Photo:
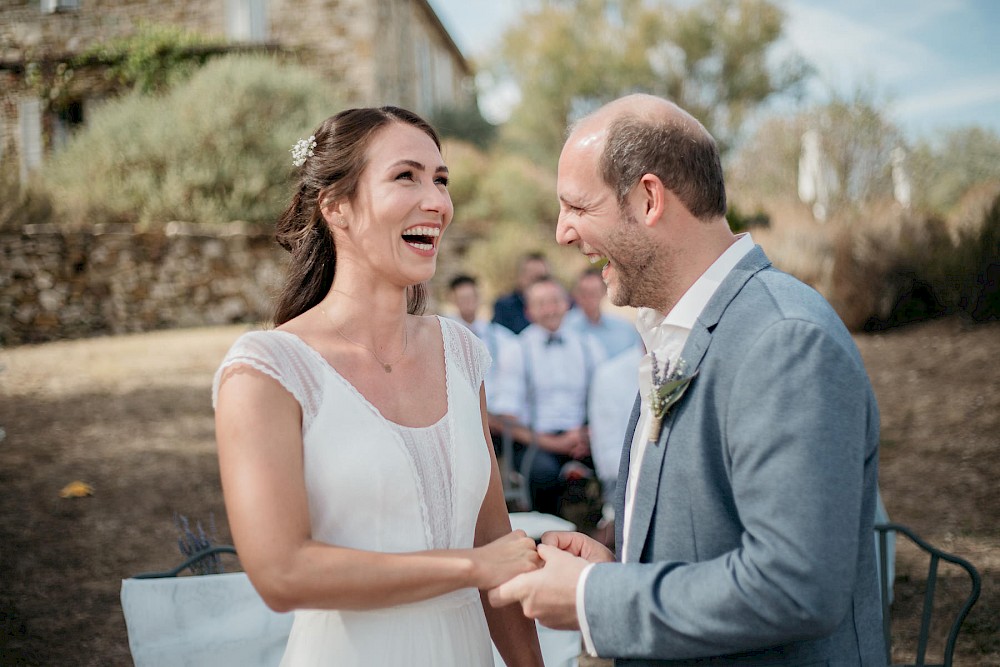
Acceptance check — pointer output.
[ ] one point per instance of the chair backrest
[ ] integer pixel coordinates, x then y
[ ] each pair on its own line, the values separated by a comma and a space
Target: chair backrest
935, 556
212, 619
515, 484
220, 620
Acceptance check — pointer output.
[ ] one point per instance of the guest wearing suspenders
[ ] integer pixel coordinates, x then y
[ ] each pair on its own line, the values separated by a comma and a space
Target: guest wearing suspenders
556, 366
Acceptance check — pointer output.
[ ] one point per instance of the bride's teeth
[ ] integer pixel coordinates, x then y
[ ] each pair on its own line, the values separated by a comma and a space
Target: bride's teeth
423, 231
421, 246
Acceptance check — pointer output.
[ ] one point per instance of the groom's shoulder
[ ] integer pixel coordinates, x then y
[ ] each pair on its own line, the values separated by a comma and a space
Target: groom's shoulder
780, 296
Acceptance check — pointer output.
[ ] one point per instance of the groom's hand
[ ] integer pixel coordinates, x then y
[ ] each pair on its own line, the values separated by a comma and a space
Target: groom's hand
547, 594
580, 545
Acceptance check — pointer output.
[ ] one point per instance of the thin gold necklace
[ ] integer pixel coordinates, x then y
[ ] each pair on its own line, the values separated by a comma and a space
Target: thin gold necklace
386, 366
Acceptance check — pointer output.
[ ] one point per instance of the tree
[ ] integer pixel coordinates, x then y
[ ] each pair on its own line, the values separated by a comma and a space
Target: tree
856, 141
711, 58
947, 167
464, 124
859, 141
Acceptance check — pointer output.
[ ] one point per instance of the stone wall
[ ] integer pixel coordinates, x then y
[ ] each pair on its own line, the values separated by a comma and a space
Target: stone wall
67, 284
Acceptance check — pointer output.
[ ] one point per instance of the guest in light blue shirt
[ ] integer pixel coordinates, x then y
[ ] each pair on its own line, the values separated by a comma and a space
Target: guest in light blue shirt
615, 334
555, 370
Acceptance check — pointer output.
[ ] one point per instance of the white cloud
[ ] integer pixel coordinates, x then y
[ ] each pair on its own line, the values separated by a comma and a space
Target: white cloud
922, 15
847, 51
961, 95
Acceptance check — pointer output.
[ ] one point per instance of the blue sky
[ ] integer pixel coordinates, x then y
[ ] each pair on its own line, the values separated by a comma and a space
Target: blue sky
936, 63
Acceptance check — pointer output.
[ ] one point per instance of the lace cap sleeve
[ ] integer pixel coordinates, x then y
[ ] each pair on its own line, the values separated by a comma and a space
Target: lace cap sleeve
474, 357
275, 354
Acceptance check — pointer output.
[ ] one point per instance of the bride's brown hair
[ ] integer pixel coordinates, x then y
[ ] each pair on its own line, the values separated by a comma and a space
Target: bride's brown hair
332, 172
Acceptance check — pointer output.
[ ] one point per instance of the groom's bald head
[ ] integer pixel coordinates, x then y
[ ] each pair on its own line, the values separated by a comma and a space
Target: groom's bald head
640, 134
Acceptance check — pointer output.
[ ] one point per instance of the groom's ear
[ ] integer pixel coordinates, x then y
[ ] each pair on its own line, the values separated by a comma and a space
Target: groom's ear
654, 197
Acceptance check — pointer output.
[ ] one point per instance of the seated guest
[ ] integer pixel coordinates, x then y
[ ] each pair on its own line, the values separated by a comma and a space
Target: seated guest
503, 346
612, 397
556, 367
508, 310
614, 333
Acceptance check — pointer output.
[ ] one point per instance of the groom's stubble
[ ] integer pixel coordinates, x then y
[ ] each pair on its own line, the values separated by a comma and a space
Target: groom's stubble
644, 268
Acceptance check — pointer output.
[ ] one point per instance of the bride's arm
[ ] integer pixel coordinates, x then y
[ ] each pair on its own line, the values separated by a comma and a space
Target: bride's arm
514, 634
258, 431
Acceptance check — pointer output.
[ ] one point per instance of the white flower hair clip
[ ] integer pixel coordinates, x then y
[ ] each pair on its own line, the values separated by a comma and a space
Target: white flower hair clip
302, 149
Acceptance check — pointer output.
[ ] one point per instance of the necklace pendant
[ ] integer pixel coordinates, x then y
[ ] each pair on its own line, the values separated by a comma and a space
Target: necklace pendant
387, 368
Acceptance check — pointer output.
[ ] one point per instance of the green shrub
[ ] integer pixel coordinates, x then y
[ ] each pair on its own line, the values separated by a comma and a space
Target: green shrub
464, 124
498, 187
153, 58
21, 204
493, 258
467, 166
926, 272
979, 293
890, 267
518, 190
213, 149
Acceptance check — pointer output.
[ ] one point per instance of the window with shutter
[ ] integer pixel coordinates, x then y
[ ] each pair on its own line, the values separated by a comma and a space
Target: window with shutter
246, 20
53, 6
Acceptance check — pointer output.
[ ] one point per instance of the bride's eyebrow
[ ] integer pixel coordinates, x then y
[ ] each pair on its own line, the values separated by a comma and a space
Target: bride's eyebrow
417, 165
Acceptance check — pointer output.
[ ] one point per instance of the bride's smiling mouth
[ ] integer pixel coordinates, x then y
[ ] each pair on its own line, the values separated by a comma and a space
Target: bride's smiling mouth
422, 238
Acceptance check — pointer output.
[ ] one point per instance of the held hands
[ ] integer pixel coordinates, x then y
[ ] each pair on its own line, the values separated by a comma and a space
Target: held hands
574, 442
503, 559
549, 594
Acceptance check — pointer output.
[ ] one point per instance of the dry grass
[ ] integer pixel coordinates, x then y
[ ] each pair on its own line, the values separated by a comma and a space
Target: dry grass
131, 416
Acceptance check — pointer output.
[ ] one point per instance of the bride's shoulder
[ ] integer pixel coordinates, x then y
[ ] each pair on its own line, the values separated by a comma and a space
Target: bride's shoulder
448, 327
261, 342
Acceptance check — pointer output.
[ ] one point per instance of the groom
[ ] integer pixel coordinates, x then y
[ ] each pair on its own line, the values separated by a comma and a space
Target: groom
745, 511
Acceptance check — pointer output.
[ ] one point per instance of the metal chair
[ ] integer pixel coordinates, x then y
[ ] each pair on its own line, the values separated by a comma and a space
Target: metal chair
212, 553
516, 492
935, 557
219, 620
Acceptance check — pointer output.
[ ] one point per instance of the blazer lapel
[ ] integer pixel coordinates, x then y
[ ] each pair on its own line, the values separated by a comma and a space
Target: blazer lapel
623, 465
693, 354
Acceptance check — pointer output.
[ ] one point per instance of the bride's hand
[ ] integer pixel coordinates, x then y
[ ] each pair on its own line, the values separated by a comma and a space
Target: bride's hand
503, 559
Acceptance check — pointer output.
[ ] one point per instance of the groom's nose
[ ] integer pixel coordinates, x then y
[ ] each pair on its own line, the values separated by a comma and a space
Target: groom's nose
565, 232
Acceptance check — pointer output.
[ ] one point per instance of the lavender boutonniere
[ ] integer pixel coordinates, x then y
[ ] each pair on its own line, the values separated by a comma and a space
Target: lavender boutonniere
668, 386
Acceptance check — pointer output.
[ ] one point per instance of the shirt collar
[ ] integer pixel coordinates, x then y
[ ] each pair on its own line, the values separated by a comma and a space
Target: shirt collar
539, 333
653, 325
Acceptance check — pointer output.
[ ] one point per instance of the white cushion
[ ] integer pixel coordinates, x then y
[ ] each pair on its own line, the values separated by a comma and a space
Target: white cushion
214, 619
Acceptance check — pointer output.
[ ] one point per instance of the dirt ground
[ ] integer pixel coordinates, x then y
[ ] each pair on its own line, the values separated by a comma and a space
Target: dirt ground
131, 416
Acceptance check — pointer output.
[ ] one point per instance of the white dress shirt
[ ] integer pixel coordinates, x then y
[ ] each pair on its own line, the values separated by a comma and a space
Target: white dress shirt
612, 395
501, 381
555, 377
664, 335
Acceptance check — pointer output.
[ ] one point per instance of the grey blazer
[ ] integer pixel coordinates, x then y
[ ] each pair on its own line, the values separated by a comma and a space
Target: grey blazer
751, 536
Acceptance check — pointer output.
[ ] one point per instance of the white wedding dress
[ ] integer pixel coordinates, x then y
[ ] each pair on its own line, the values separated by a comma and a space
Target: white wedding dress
378, 486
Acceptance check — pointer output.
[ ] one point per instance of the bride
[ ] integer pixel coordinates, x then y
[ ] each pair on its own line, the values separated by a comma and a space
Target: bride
361, 488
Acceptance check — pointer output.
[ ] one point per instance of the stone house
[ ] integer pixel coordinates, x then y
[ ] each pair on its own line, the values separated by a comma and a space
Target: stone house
378, 51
